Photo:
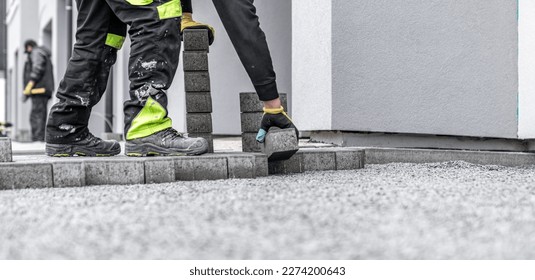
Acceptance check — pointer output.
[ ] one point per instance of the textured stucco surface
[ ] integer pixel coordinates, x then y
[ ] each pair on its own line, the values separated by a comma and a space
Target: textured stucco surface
435, 67
312, 64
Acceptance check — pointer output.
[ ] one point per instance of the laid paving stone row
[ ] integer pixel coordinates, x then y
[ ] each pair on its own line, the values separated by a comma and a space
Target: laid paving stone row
5, 150
320, 159
197, 85
251, 116
45, 172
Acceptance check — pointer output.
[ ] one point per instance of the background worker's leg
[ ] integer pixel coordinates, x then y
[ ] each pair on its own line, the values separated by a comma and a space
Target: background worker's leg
87, 73
155, 35
241, 22
38, 117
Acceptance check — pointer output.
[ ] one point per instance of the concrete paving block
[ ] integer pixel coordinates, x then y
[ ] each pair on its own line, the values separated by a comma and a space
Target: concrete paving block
249, 102
206, 167
250, 122
318, 159
195, 61
25, 175
196, 40
261, 165
249, 143
160, 170
241, 166
290, 166
199, 122
350, 158
5, 150
114, 172
208, 136
280, 144
199, 102
68, 174
197, 81
184, 169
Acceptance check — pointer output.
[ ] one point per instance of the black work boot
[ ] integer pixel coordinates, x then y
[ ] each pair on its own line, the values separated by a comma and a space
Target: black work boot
89, 146
166, 143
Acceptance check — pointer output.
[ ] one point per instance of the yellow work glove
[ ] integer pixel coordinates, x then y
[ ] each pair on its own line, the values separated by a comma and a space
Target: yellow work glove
28, 88
274, 118
188, 22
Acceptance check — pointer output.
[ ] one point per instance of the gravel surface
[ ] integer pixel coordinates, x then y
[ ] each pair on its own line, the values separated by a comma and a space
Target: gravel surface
397, 211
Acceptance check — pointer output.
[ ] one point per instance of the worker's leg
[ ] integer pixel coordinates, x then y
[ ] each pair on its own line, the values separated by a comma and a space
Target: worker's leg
155, 50
38, 117
85, 82
242, 25
186, 6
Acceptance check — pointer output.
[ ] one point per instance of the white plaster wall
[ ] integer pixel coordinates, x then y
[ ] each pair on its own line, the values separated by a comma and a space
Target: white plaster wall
312, 64
526, 70
445, 67
2, 96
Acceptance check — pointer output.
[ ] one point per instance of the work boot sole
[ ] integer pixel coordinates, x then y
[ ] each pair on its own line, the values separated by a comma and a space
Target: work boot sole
65, 150
148, 149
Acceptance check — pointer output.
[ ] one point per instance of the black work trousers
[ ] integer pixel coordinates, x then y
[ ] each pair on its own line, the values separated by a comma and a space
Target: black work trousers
243, 27
155, 46
38, 117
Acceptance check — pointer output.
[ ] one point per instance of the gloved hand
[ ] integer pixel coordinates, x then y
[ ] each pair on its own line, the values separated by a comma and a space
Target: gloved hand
28, 88
274, 118
188, 22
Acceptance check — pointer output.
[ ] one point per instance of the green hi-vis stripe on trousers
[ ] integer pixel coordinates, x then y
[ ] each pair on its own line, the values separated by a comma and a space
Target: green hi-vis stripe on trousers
115, 41
171, 9
151, 119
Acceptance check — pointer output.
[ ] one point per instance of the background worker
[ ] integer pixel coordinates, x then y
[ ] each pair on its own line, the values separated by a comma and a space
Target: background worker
243, 27
39, 85
155, 45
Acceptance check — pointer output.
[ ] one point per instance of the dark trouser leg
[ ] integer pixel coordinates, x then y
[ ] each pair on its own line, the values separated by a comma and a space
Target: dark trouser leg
38, 117
186, 6
155, 35
241, 22
98, 36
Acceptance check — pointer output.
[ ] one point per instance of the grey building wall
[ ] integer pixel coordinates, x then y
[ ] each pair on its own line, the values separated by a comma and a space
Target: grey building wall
444, 67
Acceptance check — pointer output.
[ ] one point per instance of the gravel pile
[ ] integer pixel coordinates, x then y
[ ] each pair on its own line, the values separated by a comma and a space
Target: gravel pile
450, 210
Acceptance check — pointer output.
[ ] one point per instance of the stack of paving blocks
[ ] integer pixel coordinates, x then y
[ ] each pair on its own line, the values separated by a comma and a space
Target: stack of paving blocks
251, 116
5, 150
197, 85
